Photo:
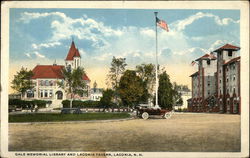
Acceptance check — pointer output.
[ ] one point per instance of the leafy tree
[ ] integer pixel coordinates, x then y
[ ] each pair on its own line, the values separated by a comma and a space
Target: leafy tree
176, 94
147, 73
116, 70
95, 86
22, 81
106, 99
130, 88
165, 91
73, 82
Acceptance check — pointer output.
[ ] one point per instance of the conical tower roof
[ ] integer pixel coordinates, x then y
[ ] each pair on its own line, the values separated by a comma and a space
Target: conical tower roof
73, 52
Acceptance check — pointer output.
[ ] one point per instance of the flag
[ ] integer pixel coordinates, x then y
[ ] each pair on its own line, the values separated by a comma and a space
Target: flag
193, 62
162, 24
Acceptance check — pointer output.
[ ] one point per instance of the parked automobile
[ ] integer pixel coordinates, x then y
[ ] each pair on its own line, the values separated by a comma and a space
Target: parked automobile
145, 111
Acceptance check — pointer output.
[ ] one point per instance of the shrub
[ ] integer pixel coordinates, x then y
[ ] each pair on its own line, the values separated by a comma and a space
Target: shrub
18, 103
80, 104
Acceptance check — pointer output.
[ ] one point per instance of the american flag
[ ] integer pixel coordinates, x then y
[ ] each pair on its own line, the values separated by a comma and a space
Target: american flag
193, 62
162, 24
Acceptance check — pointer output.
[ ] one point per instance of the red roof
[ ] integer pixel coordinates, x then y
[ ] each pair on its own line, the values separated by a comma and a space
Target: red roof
47, 71
232, 60
85, 77
73, 52
227, 46
207, 56
51, 71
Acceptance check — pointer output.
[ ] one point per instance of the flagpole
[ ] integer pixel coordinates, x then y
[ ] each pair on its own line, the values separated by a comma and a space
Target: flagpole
156, 64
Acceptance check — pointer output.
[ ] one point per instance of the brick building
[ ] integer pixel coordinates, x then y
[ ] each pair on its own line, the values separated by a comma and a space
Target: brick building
216, 84
46, 78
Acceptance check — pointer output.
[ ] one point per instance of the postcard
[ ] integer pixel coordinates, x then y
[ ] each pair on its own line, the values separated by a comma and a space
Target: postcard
125, 79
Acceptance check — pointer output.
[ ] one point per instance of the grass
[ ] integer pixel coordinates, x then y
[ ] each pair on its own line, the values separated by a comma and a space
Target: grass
65, 117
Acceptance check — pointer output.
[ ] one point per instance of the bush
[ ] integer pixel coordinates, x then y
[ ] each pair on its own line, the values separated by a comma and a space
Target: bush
81, 104
18, 103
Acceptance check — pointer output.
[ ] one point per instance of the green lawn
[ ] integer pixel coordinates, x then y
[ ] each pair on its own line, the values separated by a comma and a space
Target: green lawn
36, 117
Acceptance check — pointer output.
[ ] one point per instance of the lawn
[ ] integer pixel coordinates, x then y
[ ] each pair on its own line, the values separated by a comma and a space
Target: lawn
36, 117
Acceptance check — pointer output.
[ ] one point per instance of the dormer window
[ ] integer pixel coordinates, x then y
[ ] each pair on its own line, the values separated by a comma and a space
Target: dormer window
208, 62
230, 53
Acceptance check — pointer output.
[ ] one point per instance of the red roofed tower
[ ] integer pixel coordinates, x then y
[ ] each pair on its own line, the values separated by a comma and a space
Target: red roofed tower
73, 59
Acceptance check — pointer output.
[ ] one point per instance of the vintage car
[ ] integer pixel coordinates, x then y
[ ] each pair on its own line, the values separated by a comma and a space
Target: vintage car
145, 111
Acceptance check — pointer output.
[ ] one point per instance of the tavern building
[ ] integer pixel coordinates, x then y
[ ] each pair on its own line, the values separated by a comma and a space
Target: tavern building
216, 84
46, 78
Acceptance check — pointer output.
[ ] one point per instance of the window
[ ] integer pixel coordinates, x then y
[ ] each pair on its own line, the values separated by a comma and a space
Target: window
45, 93
51, 83
41, 93
220, 91
50, 93
233, 66
208, 83
230, 53
234, 78
47, 83
227, 79
220, 70
227, 90
220, 81
208, 92
30, 94
208, 62
234, 90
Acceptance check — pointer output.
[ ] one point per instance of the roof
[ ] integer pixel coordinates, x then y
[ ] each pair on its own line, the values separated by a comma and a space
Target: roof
194, 74
73, 52
207, 56
232, 60
51, 71
85, 77
227, 47
47, 71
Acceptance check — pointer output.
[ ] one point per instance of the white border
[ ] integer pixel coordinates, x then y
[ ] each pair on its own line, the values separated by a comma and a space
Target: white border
244, 40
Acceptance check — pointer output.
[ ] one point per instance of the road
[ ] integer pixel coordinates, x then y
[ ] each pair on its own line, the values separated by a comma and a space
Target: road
181, 133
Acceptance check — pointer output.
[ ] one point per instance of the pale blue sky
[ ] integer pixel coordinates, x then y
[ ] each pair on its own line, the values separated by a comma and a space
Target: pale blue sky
43, 35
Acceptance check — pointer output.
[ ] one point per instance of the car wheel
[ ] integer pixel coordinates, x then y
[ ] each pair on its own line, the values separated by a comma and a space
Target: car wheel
167, 115
145, 115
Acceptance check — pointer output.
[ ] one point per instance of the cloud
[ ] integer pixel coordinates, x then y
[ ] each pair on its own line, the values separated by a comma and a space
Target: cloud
26, 17
45, 45
28, 55
39, 55
182, 24
34, 54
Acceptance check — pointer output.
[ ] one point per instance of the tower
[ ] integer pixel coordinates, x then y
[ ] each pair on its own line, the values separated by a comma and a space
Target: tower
225, 54
73, 59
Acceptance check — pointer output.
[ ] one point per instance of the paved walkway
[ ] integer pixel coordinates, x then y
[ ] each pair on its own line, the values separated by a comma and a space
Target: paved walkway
183, 132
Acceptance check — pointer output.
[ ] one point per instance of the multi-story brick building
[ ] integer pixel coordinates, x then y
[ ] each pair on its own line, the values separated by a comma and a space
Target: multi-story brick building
228, 79
202, 83
216, 84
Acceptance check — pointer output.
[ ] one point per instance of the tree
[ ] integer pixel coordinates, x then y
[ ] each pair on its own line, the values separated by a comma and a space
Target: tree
165, 91
177, 100
22, 81
73, 82
95, 86
107, 96
130, 88
147, 73
116, 70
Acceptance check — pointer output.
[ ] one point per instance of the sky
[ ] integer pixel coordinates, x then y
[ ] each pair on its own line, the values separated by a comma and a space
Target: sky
43, 36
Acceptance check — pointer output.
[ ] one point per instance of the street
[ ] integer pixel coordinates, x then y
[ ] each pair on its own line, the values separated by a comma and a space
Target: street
194, 132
